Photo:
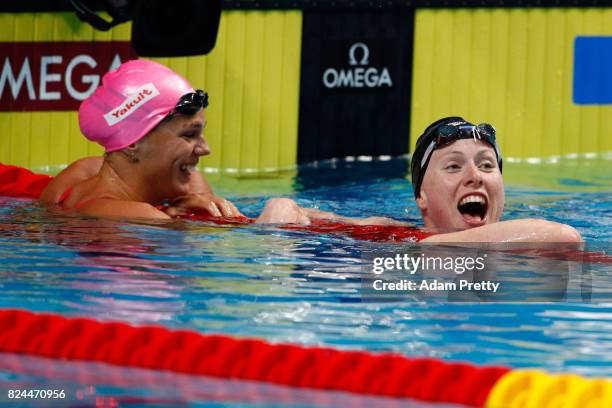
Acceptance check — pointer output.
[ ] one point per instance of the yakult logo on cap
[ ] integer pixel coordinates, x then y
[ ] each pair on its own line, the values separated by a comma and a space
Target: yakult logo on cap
131, 104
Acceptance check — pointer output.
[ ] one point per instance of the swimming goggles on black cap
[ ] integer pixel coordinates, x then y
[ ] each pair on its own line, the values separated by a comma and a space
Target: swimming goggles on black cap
443, 134
190, 103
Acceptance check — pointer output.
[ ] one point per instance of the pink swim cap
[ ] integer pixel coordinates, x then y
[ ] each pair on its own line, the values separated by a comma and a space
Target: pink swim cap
131, 101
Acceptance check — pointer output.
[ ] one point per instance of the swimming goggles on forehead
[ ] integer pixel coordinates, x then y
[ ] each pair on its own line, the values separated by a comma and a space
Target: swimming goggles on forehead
190, 103
451, 132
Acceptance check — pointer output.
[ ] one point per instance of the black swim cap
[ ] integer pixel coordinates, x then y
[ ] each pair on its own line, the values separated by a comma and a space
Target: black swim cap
442, 132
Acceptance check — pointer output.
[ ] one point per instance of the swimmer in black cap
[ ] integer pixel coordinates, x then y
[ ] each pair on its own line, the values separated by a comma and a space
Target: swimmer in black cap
458, 187
462, 162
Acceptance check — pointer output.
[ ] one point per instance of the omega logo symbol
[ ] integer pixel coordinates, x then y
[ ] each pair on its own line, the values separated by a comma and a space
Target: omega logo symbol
360, 74
366, 54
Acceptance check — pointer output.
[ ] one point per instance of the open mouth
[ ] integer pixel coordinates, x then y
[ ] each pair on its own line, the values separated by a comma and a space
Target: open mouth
473, 208
187, 168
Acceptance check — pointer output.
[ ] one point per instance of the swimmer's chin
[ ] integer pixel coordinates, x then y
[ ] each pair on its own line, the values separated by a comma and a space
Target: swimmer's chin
475, 223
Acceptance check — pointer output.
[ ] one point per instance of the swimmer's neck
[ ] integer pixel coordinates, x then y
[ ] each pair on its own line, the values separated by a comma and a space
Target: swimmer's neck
126, 188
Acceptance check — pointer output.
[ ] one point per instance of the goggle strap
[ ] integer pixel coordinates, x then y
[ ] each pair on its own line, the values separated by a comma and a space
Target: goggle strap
497, 151
427, 153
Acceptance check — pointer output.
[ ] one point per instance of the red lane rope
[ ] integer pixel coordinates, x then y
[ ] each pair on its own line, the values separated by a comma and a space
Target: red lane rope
392, 375
19, 182
379, 233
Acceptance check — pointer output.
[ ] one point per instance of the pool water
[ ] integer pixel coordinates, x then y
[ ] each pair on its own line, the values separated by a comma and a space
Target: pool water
298, 286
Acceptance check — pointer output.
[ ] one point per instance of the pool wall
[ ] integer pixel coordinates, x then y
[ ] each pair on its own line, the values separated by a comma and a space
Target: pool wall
292, 81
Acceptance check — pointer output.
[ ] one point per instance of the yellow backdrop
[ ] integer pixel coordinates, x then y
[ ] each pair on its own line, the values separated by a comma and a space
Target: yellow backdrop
252, 76
514, 69
509, 67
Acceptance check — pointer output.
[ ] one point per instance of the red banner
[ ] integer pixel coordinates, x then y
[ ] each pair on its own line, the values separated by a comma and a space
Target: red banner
55, 76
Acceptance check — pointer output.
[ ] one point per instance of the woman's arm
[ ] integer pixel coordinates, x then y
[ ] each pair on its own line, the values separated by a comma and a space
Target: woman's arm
112, 208
313, 213
286, 211
524, 230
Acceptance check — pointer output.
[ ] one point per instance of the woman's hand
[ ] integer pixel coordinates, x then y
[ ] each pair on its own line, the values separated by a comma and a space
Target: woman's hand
282, 211
203, 202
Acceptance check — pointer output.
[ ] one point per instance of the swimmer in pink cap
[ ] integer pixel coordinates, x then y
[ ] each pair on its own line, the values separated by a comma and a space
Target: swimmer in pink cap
151, 123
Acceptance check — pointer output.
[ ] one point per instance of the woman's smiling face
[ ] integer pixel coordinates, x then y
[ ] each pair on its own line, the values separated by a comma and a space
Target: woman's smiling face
171, 153
462, 188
